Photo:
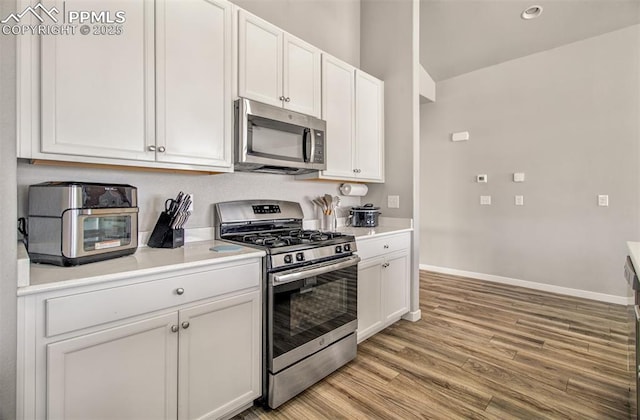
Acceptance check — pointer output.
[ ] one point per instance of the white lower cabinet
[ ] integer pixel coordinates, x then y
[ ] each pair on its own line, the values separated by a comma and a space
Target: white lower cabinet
219, 357
383, 282
199, 358
127, 372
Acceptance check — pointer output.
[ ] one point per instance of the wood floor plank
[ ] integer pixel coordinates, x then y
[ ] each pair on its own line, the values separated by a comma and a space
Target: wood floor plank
483, 351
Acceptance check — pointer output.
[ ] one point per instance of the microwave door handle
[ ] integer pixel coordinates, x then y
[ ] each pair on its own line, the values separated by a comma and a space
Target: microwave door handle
306, 146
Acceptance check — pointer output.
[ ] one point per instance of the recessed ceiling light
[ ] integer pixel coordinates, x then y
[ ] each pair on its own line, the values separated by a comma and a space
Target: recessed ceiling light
531, 12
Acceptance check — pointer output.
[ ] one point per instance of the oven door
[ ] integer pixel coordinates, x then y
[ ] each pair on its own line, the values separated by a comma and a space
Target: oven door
309, 309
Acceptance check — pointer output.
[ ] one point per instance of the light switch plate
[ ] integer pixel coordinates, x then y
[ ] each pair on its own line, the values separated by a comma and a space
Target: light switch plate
393, 201
482, 178
518, 177
603, 200
485, 200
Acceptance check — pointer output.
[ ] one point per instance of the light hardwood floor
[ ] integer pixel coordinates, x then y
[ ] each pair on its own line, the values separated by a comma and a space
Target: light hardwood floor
484, 350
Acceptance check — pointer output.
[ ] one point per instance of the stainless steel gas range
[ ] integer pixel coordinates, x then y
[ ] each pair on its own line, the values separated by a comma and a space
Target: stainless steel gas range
309, 293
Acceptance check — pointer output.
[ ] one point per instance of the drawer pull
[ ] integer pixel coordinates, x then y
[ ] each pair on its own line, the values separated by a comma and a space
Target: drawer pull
179, 291
185, 324
385, 265
386, 246
174, 328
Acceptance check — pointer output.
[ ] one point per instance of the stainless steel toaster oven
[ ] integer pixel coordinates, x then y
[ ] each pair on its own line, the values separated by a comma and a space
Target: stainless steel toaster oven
73, 223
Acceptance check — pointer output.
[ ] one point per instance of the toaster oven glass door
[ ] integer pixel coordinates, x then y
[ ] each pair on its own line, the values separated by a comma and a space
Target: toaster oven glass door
103, 232
88, 232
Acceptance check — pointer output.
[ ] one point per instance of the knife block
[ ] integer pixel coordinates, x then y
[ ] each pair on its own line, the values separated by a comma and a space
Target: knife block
163, 236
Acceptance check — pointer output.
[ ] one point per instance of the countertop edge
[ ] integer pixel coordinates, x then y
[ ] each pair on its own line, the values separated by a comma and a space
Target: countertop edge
132, 274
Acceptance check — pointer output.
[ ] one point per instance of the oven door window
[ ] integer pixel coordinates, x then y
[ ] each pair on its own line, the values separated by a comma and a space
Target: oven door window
103, 232
309, 308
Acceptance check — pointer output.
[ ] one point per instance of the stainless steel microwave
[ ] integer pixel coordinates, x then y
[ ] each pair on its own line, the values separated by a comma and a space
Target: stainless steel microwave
276, 140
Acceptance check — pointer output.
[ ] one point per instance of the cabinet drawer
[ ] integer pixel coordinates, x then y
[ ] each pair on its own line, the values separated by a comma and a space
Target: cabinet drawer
75, 312
374, 247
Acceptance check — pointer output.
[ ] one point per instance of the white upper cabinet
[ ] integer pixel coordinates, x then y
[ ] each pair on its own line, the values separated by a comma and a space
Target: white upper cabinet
193, 85
97, 90
369, 132
353, 107
277, 68
338, 110
154, 90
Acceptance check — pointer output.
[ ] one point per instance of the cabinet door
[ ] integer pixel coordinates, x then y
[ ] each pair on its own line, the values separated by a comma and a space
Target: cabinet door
259, 59
219, 360
369, 132
301, 76
369, 298
98, 90
193, 67
395, 287
338, 90
129, 372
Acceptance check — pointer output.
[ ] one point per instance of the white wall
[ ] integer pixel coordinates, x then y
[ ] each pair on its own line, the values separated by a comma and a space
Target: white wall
154, 189
389, 50
568, 118
386, 52
7, 221
331, 25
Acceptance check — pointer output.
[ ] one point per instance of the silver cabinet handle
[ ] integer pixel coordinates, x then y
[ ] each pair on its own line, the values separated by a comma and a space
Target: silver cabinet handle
281, 98
386, 246
174, 328
161, 149
385, 265
287, 99
152, 148
179, 291
185, 324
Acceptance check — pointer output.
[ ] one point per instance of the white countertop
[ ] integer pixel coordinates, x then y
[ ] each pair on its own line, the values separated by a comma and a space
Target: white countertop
365, 233
634, 253
145, 261
35, 278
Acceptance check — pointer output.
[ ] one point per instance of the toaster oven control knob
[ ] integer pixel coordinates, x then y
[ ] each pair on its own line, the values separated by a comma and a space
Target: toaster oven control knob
347, 247
339, 249
288, 259
300, 256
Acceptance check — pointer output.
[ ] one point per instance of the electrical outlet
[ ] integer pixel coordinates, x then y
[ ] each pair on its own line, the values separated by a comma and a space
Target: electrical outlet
393, 201
485, 200
603, 200
519, 200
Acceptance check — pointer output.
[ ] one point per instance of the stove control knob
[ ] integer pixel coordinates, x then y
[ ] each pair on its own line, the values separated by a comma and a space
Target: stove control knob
300, 256
338, 249
288, 259
347, 247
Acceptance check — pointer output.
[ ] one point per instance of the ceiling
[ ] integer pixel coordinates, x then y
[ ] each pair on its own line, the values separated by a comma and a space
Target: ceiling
459, 36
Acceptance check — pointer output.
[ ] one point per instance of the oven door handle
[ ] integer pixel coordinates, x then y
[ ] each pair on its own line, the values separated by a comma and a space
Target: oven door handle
304, 273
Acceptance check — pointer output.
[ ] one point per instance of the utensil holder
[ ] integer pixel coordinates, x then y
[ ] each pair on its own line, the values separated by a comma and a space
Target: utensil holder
328, 222
163, 236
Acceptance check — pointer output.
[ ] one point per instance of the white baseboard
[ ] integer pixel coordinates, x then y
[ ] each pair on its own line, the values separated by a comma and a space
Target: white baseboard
413, 316
602, 297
